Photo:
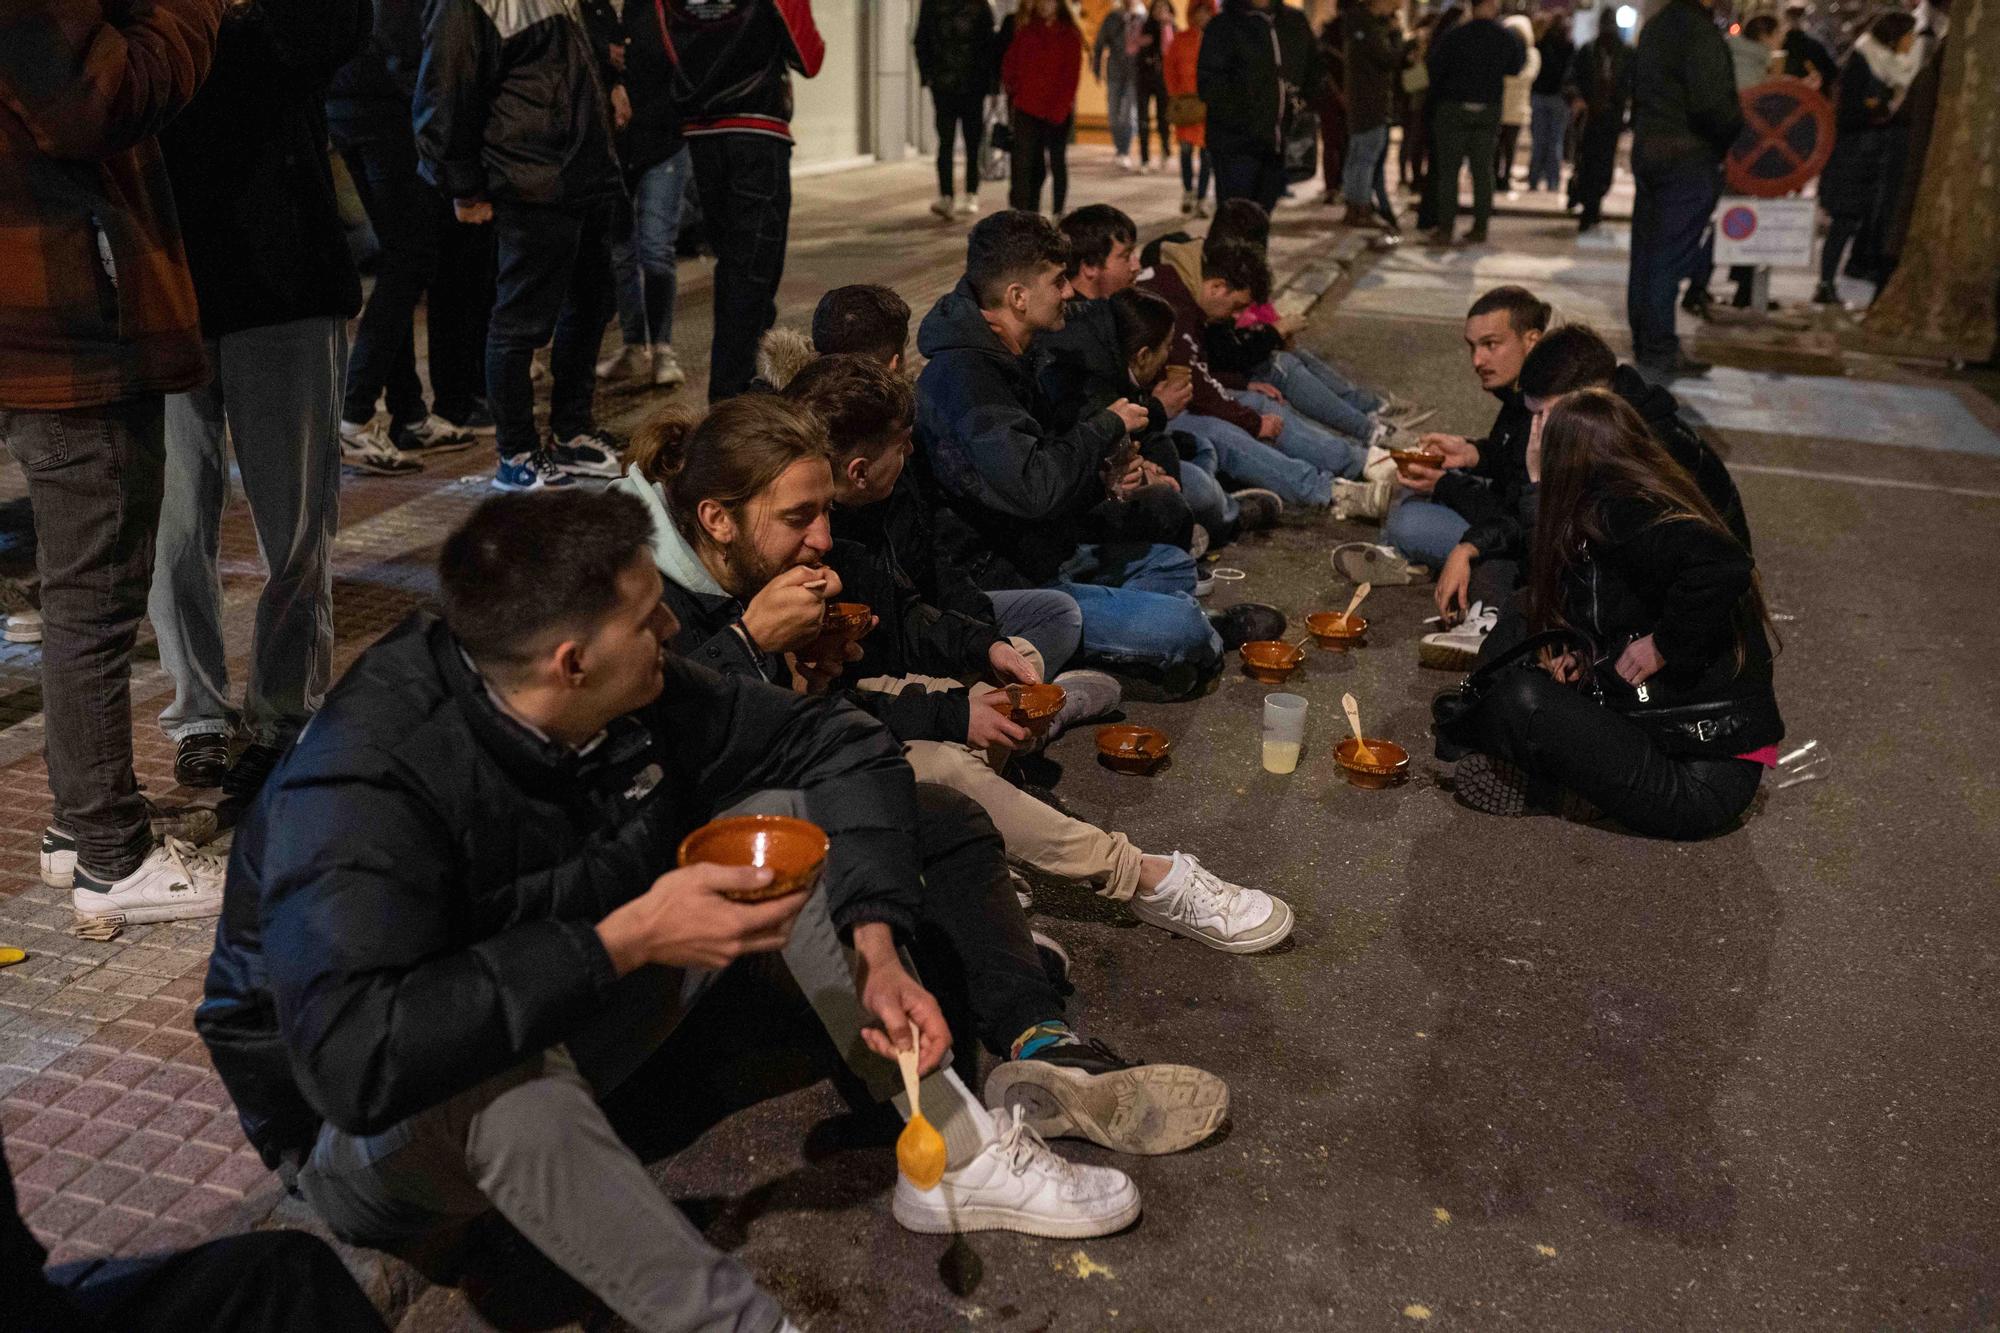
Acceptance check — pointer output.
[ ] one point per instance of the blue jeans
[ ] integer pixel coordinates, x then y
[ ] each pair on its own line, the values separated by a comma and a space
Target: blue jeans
1121, 103
643, 262
1322, 393
1138, 606
1364, 153
1211, 506
1549, 123
1223, 449
1669, 211
1424, 530
1307, 440
1044, 617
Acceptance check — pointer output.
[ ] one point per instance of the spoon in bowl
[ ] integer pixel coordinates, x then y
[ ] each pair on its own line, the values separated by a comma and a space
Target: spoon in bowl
919, 1148
1347, 616
1362, 753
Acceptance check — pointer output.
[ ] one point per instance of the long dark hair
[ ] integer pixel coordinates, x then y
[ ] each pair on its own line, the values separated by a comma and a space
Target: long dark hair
1595, 449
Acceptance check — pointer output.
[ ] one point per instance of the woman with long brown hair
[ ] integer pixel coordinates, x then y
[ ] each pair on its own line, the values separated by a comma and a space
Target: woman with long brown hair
1661, 712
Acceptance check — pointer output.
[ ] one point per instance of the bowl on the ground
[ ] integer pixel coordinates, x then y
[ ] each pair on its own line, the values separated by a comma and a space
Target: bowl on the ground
1030, 706
1336, 630
849, 620
1390, 765
793, 850
1271, 662
1127, 747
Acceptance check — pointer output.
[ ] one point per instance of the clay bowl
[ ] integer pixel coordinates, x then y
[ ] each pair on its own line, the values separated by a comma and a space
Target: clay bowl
1422, 457
1331, 629
793, 849
1270, 661
849, 620
1391, 766
1038, 707
1129, 748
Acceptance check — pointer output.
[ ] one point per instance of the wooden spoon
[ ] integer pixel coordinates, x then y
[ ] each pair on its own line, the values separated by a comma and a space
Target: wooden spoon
920, 1148
1362, 753
1359, 593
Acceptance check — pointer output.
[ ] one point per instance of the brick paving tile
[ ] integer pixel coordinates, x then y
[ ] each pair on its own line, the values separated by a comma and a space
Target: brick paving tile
119, 1036
153, 1195
81, 1063
102, 1183
126, 1071
180, 1120
143, 1149
208, 1092
162, 1045
108, 1230
54, 1170
156, 1012
13, 1115
240, 1173
201, 1206
62, 1215
135, 1109
164, 1234
20, 1156
44, 1089
224, 1131
171, 1081
27, 1198
182, 988
190, 1162
89, 1099
96, 1138
48, 1129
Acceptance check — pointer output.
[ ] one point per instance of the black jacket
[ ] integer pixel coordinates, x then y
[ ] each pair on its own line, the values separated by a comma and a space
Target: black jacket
734, 60
1803, 51
1867, 146
1472, 62
1662, 413
1683, 89
654, 133
1018, 486
382, 77
1600, 76
510, 104
1556, 49
1488, 495
248, 162
954, 46
1374, 66
412, 900
1683, 583
1250, 60
935, 620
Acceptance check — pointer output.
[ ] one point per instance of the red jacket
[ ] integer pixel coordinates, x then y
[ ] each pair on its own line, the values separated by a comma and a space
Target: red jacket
95, 300
1041, 69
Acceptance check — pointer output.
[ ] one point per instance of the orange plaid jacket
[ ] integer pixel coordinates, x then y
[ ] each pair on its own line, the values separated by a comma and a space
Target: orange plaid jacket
95, 299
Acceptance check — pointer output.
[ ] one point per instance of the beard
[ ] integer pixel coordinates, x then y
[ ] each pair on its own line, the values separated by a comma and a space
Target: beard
747, 568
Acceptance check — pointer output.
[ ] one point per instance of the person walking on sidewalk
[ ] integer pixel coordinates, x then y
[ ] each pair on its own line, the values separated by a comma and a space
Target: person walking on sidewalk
1111, 64
955, 59
1039, 73
1153, 37
734, 61
1185, 108
424, 254
275, 285
513, 125
1685, 114
1516, 100
1374, 61
1469, 68
1259, 60
1548, 109
1600, 83
97, 325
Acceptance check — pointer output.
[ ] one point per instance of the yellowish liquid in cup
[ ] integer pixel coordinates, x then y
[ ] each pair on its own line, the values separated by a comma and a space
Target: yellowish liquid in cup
1281, 756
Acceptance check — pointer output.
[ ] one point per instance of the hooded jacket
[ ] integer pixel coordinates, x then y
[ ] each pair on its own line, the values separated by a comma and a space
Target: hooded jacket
1684, 105
1488, 494
1250, 60
1662, 413
248, 162
96, 304
511, 106
1374, 60
412, 900
1176, 279
986, 449
1516, 94
734, 61
954, 46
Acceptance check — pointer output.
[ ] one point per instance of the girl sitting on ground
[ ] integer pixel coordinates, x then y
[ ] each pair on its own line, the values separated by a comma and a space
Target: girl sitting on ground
1663, 716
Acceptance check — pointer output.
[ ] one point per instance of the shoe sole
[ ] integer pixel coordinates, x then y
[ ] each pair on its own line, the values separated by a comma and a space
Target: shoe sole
1444, 657
1491, 787
1148, 1111
434, 450
16, 636
512, 488
55, 876
1362, 563
1269, 936
594, 471
987, 1217
378, 470
142, 916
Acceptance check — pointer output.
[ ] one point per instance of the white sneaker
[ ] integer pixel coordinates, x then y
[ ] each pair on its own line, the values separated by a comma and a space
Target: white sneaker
24, 626
194, 824
1372, 562
1017, 1184
1362, 499
667, 370
174, 882
1457, 648
1198, 542
627, 363
432, 435
587, 455
1381, 465
367, 448
944, 207
968, 207
1123, 161
1198, 903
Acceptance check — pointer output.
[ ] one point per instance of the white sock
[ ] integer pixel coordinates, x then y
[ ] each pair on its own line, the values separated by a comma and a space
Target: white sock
964, 1124
1171, 880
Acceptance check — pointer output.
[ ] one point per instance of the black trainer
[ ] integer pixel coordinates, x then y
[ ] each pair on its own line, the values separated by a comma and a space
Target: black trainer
246, 777
201, 760
1257, 508
1084, 1089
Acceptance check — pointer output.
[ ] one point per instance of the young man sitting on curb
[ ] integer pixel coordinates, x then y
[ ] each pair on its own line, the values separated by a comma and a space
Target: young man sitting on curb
1456, 512
1019, 488
447, 934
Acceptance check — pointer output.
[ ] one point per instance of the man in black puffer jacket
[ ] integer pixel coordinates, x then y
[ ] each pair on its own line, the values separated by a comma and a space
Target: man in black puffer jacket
1258, 60
955, 59
447, 932
514, 127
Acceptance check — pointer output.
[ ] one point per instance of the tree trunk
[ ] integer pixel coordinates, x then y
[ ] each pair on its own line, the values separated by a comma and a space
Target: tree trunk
1942, 299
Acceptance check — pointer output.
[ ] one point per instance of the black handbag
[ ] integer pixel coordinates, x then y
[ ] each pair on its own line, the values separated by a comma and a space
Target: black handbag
1681, 728
1454, 711
1301, 142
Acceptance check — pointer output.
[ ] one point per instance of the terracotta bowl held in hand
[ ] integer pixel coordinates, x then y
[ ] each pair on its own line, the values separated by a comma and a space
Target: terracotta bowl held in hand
1421, 457
792, 849
1391, 766
848, 619
1130, 748
1332, 629
1038, 706
1271, 662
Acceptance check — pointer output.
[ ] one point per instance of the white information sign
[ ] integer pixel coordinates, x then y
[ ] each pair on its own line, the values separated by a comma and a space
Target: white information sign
1764, 231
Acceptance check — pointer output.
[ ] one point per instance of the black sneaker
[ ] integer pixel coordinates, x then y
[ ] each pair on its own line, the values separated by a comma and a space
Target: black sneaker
476, 419
201, 760
1055, 961
246, 777
1492, 787
1256, 509
1084, 1089
1826, 294
1698, 302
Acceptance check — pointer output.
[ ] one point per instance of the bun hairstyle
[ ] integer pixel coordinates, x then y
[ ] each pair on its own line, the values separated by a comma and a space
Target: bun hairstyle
729, 456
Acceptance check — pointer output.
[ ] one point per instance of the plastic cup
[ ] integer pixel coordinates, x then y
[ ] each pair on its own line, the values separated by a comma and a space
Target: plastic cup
1284, 731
